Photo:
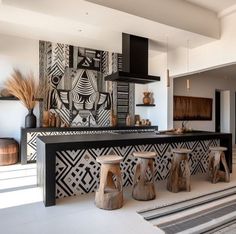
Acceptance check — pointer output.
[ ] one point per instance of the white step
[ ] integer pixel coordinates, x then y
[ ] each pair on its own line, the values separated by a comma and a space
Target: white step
18, 167
13, 184
17, 173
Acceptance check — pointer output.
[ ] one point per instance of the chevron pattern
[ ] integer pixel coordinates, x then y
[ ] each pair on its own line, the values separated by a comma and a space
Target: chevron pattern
77, 171
31, 137
103, 116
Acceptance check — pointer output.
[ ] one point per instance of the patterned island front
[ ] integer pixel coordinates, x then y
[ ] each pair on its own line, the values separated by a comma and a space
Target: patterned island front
67, 164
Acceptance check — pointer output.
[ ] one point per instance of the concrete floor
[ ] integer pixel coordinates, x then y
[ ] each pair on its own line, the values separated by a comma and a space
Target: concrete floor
22, 211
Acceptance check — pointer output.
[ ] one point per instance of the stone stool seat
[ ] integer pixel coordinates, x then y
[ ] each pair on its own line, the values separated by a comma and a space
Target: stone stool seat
178, 179
216, 157
109, 195
143, 186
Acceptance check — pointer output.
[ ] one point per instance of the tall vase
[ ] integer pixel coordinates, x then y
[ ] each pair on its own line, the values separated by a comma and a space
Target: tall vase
30, 119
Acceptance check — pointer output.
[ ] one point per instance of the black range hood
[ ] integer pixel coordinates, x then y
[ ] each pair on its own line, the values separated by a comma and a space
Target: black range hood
134, 61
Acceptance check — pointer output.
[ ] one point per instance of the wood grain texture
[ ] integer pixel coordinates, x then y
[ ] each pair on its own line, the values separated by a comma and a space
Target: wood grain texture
9, 151
179, 180
143, 188
192, 108
109, 195
216, 157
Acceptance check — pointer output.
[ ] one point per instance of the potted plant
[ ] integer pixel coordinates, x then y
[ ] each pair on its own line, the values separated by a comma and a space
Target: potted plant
25, 88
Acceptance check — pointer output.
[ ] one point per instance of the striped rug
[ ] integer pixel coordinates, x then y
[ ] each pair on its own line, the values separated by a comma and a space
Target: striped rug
211, 213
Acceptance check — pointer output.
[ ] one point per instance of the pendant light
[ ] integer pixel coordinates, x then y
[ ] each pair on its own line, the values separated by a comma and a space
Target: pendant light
188, 81
167, 65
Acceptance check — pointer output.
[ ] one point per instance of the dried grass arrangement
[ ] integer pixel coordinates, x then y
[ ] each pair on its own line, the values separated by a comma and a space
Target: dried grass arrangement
24, 87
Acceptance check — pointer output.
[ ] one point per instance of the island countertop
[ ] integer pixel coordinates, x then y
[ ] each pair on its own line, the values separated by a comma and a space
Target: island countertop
131, 137
49, 147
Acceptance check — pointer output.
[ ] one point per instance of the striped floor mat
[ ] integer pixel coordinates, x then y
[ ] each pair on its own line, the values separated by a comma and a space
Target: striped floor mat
211, 213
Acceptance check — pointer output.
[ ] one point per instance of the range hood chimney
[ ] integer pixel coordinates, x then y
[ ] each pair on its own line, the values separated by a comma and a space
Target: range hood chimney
134, 61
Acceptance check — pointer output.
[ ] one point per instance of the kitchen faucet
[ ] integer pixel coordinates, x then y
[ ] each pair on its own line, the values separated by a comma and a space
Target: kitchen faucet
184, 123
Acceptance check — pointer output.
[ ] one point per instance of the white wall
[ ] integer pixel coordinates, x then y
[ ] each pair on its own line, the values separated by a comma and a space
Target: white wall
139, 110
225, 111
23, 54
158, 115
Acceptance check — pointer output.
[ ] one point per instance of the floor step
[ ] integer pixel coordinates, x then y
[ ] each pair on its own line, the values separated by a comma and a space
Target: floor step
14, 184
14, 174
17, 167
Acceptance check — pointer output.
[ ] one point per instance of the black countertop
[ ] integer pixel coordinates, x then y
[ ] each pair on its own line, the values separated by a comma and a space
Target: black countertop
92, 128
129, 137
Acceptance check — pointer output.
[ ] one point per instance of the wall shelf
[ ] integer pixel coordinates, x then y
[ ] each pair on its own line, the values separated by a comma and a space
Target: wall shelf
8, 98
145, 105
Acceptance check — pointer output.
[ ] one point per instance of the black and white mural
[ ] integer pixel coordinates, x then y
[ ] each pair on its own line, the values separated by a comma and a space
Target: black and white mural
77, 89
77, 171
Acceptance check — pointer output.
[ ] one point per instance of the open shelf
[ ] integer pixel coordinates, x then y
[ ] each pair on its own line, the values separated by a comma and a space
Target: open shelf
8, 98
145, 105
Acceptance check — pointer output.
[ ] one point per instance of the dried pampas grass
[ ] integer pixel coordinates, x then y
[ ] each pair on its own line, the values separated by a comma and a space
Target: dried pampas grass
23, 87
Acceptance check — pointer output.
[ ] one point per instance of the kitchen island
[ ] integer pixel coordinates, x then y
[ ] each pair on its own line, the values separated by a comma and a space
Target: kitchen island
67, 166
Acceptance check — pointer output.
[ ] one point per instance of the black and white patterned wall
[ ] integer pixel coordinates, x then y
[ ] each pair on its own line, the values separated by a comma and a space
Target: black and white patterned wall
78, 91
77, 171
31, 143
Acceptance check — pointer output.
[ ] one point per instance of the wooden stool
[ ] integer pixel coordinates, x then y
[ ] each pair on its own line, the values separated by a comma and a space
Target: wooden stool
216, 156
109, 195
177, 179
143, 188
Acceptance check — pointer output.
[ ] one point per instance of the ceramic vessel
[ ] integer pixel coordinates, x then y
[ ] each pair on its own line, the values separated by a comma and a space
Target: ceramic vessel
30, 119
45, 122
146, 98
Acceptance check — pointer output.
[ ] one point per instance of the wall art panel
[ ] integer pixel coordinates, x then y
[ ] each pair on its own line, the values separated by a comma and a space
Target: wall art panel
77, 89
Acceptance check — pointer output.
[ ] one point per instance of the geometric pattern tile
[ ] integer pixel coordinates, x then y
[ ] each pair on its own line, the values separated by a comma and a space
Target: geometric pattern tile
31, 136
31, 148
77, 171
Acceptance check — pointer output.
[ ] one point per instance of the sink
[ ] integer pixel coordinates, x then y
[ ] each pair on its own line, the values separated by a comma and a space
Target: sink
171, 132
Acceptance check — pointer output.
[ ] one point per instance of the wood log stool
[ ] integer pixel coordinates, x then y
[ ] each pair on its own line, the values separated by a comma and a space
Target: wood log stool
143, 187
9, 151
216, 157
109, 195
178, 179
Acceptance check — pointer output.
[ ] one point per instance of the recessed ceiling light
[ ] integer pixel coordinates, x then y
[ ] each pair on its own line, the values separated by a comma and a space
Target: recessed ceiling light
80, 30
86, 13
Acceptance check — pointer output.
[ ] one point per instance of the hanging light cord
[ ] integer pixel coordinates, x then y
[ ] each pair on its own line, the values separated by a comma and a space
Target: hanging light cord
167, 50
167, 63
188, 56
188, 86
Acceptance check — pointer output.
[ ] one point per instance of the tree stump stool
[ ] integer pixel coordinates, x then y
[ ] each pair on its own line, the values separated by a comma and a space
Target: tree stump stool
143, 187
178, 179
109, 195
216, 157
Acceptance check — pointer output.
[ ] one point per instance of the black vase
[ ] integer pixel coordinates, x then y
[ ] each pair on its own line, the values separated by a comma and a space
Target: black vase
30, 119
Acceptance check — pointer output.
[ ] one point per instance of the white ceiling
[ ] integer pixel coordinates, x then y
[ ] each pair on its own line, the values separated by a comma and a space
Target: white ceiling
214, 5
80, 22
